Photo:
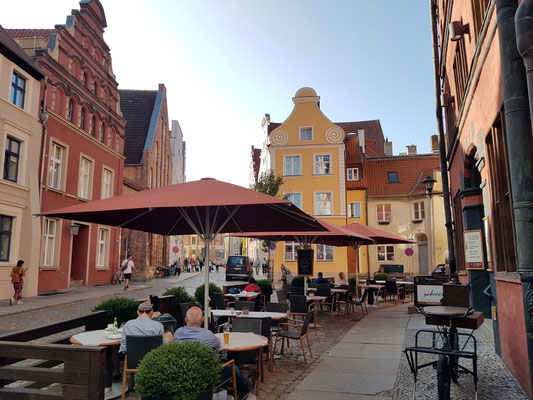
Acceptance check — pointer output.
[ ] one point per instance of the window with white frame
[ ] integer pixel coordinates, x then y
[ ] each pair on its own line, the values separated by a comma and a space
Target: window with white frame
418, 211
306, 134
323, 203
354, 210
102, 246
385, 253
383, 213
55, 169
291, 251
352, 174
49, 239
84, 179
324, 253
322, 164
292, 165
295, 198
107, 183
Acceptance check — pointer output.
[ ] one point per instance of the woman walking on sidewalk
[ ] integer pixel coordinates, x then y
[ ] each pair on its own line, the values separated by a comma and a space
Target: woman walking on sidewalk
17, 274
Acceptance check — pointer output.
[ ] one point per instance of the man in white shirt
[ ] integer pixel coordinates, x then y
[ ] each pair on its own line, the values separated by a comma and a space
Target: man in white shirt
128, 263
141, 326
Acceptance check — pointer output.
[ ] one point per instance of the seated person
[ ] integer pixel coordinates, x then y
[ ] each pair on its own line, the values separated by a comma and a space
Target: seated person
154, 301
252, 287
193, 332
341, 280
321, 278
141, 326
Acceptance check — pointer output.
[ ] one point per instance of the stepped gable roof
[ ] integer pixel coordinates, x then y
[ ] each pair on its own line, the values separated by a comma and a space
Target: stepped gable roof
256, 160
411, 172
137, 107
14, 52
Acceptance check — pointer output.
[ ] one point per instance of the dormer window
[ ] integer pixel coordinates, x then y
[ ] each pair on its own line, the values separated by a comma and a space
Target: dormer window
306, 134
393, 177
353, 174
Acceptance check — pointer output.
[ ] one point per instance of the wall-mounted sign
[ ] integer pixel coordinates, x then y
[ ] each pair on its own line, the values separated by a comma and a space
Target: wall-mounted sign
474, 249
272, 246
175, 249
305, 261
409, 252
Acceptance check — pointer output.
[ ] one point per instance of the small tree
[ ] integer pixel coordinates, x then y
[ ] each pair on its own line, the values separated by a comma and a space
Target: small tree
268, 183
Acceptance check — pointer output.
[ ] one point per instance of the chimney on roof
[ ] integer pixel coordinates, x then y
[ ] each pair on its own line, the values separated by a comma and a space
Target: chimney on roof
265, 121
361, 140
387, 147
411, 150
434, 143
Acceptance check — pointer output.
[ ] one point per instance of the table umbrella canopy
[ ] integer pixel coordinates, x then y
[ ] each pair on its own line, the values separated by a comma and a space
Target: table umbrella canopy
200, 207
334, 236
378, 235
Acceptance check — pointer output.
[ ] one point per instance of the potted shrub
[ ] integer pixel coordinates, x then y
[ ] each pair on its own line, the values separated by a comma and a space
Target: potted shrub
298, 281
122, 308
381, 276
178, 371
199, 293
266, 288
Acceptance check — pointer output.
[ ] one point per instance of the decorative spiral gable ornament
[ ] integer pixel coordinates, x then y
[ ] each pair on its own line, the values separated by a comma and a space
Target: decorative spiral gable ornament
279, 138
335, 135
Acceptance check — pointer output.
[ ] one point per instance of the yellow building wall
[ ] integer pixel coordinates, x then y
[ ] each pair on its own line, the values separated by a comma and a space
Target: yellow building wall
328, 138
359, 196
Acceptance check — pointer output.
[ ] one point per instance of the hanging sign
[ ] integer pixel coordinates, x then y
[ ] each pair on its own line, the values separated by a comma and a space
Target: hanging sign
474, 249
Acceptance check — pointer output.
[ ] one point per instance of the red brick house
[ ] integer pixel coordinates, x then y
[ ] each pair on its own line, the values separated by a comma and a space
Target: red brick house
83, 145
148, 165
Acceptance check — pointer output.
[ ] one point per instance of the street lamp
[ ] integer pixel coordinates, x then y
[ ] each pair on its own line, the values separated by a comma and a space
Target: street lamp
74, 229
429, 182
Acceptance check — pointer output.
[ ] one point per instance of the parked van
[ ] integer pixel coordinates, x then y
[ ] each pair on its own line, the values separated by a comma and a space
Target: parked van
238, 267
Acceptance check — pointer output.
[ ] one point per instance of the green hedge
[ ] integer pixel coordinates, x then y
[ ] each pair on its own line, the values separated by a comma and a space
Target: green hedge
266, 286
181, 295
181, 370
199, 293
380, 276
121, 307
298, 281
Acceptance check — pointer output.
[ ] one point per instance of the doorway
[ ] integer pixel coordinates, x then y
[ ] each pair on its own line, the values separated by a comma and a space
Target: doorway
422, 240
79, 260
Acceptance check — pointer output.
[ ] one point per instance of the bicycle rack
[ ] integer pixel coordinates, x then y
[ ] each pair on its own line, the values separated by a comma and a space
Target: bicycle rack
454, 354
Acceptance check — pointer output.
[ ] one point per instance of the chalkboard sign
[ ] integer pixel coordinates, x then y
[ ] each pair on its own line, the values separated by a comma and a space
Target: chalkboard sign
305, 261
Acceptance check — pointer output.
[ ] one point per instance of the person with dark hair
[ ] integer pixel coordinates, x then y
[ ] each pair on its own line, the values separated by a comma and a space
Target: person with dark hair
17, 274
127, 267
321, 278
154, 301
252, 287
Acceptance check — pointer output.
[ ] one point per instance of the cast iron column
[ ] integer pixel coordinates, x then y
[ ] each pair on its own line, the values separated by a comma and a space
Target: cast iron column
520, 148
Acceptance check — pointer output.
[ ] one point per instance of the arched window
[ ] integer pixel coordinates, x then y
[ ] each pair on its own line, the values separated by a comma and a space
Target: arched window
75, 68
59, 106
103, 136
97, 88
72, 110
94, 126
87, 79
83, 121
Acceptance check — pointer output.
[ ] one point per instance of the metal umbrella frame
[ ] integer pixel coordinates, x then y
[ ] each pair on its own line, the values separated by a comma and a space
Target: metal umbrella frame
206, 208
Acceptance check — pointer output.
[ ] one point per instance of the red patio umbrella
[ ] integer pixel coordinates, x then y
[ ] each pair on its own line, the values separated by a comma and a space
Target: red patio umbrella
378, 235
206, 208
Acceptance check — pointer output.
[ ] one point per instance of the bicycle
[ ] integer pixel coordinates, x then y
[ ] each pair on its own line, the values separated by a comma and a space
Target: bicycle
118, 277
447, 364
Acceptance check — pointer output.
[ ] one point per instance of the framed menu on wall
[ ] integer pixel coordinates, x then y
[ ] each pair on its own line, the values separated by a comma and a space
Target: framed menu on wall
305, 261
474, 258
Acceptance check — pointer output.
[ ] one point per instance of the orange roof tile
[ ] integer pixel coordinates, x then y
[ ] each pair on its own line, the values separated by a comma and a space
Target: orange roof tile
411, 172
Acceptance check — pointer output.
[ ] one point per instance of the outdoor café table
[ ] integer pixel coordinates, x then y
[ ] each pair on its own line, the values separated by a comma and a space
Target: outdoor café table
251, 314
244, 341
100, 338
369, 289
242, 294
333, 291
316, 299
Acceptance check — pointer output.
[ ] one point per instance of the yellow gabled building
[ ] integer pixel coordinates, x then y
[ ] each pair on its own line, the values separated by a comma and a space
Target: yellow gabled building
307, 150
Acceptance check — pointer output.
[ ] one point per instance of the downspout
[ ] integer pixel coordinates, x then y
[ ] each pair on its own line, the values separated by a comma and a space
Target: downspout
44, 118
520, 152
442, 144
524, 41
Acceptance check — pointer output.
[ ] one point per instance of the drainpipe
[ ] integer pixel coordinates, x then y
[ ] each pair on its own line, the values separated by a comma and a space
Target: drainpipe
442, 145
520, 149
524, 41
44, 118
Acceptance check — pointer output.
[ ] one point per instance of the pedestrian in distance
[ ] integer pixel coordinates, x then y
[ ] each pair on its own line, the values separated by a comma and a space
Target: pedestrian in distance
127, 267
17, 279
256, 265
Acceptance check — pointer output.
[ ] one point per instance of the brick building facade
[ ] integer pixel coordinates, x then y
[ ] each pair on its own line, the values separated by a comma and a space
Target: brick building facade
83, 145
148, 165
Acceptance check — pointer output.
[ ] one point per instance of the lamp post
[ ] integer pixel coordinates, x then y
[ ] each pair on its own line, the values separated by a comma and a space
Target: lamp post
429, 182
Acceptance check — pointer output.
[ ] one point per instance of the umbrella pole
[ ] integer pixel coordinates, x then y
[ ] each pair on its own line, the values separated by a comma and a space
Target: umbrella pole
207, 312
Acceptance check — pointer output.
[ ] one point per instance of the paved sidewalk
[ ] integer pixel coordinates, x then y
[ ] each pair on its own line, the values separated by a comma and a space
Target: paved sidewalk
364, 364
81, 293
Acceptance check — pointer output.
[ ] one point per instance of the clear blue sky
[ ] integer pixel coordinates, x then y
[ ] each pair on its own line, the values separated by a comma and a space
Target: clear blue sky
227, 63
